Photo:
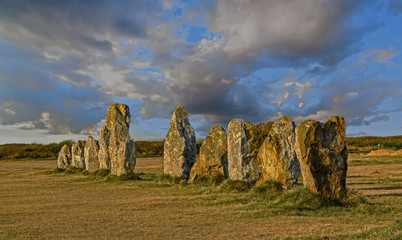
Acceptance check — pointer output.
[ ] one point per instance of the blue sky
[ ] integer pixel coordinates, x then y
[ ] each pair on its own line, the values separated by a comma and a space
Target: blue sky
62, 63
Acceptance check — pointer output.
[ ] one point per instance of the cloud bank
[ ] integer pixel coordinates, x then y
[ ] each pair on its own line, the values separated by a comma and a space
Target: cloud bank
63, 62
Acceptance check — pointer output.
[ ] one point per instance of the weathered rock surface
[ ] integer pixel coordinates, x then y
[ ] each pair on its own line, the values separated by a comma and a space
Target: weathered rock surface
277, 157
180, 145
91, 155
258, 133
213, 155
64, 158
322, 153
121, 149
77, 155
103, 154
241, 165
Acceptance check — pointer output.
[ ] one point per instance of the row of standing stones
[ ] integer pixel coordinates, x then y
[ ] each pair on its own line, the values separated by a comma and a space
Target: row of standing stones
114, 151
277, 151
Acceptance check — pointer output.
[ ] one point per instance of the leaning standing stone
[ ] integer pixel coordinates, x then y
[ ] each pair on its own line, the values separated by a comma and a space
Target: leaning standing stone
180, 145
241, 165
323, 156
91, 155
277, 157
77, 152
64, 158
213, 158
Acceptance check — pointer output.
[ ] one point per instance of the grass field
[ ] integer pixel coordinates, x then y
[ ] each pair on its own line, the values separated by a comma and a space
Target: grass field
38, 203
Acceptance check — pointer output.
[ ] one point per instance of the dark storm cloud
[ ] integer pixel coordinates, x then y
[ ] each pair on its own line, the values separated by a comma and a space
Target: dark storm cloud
214, 81
76, 24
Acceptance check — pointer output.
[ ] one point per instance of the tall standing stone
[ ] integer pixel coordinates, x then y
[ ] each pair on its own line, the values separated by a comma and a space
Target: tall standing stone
91, 155
103, 154
77, 154
277, 157
322, 153
180, 145
121, 149
64, 159
213, 155
241, 164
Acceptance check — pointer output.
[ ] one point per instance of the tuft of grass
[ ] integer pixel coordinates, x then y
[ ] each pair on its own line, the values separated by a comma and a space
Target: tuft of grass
234, 186
55, 171
303, 199
170, 179
122, 178
352, 198
268, 189
298, 199
73, 170
101, 172
213, 179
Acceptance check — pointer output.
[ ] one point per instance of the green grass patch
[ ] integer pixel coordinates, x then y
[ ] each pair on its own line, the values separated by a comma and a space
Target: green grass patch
214, 179
122, 178
73, 170
101, 173
230, 185
167, 178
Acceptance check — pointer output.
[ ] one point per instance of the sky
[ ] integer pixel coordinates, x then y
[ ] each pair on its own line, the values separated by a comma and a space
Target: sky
62, 63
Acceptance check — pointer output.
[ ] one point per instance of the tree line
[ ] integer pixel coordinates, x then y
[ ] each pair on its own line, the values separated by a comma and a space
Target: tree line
20, 151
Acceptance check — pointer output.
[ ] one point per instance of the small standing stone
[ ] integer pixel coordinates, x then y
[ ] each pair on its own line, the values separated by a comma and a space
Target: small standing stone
180, 145
322, 153
213, 158
103, 154
277, 156
91, 155
64, 159
241, 165
77, 152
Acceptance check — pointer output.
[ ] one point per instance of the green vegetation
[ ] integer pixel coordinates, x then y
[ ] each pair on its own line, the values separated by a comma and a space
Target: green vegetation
367, 144
149, 148
16, 151
21, 151
146, 149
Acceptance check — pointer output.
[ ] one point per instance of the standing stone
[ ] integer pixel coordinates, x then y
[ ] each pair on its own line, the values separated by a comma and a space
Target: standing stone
77, 152
91, 155
213, 155
103, 154
277, 157
241, 165
180, 145
323, 155
64, 158
121, 149
125, 153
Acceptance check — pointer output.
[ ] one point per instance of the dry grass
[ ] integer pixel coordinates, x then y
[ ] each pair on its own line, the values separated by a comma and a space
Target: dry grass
381, 152
38, 203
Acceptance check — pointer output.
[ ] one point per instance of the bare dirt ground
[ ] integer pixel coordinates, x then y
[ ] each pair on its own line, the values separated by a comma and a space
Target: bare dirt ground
36, 203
